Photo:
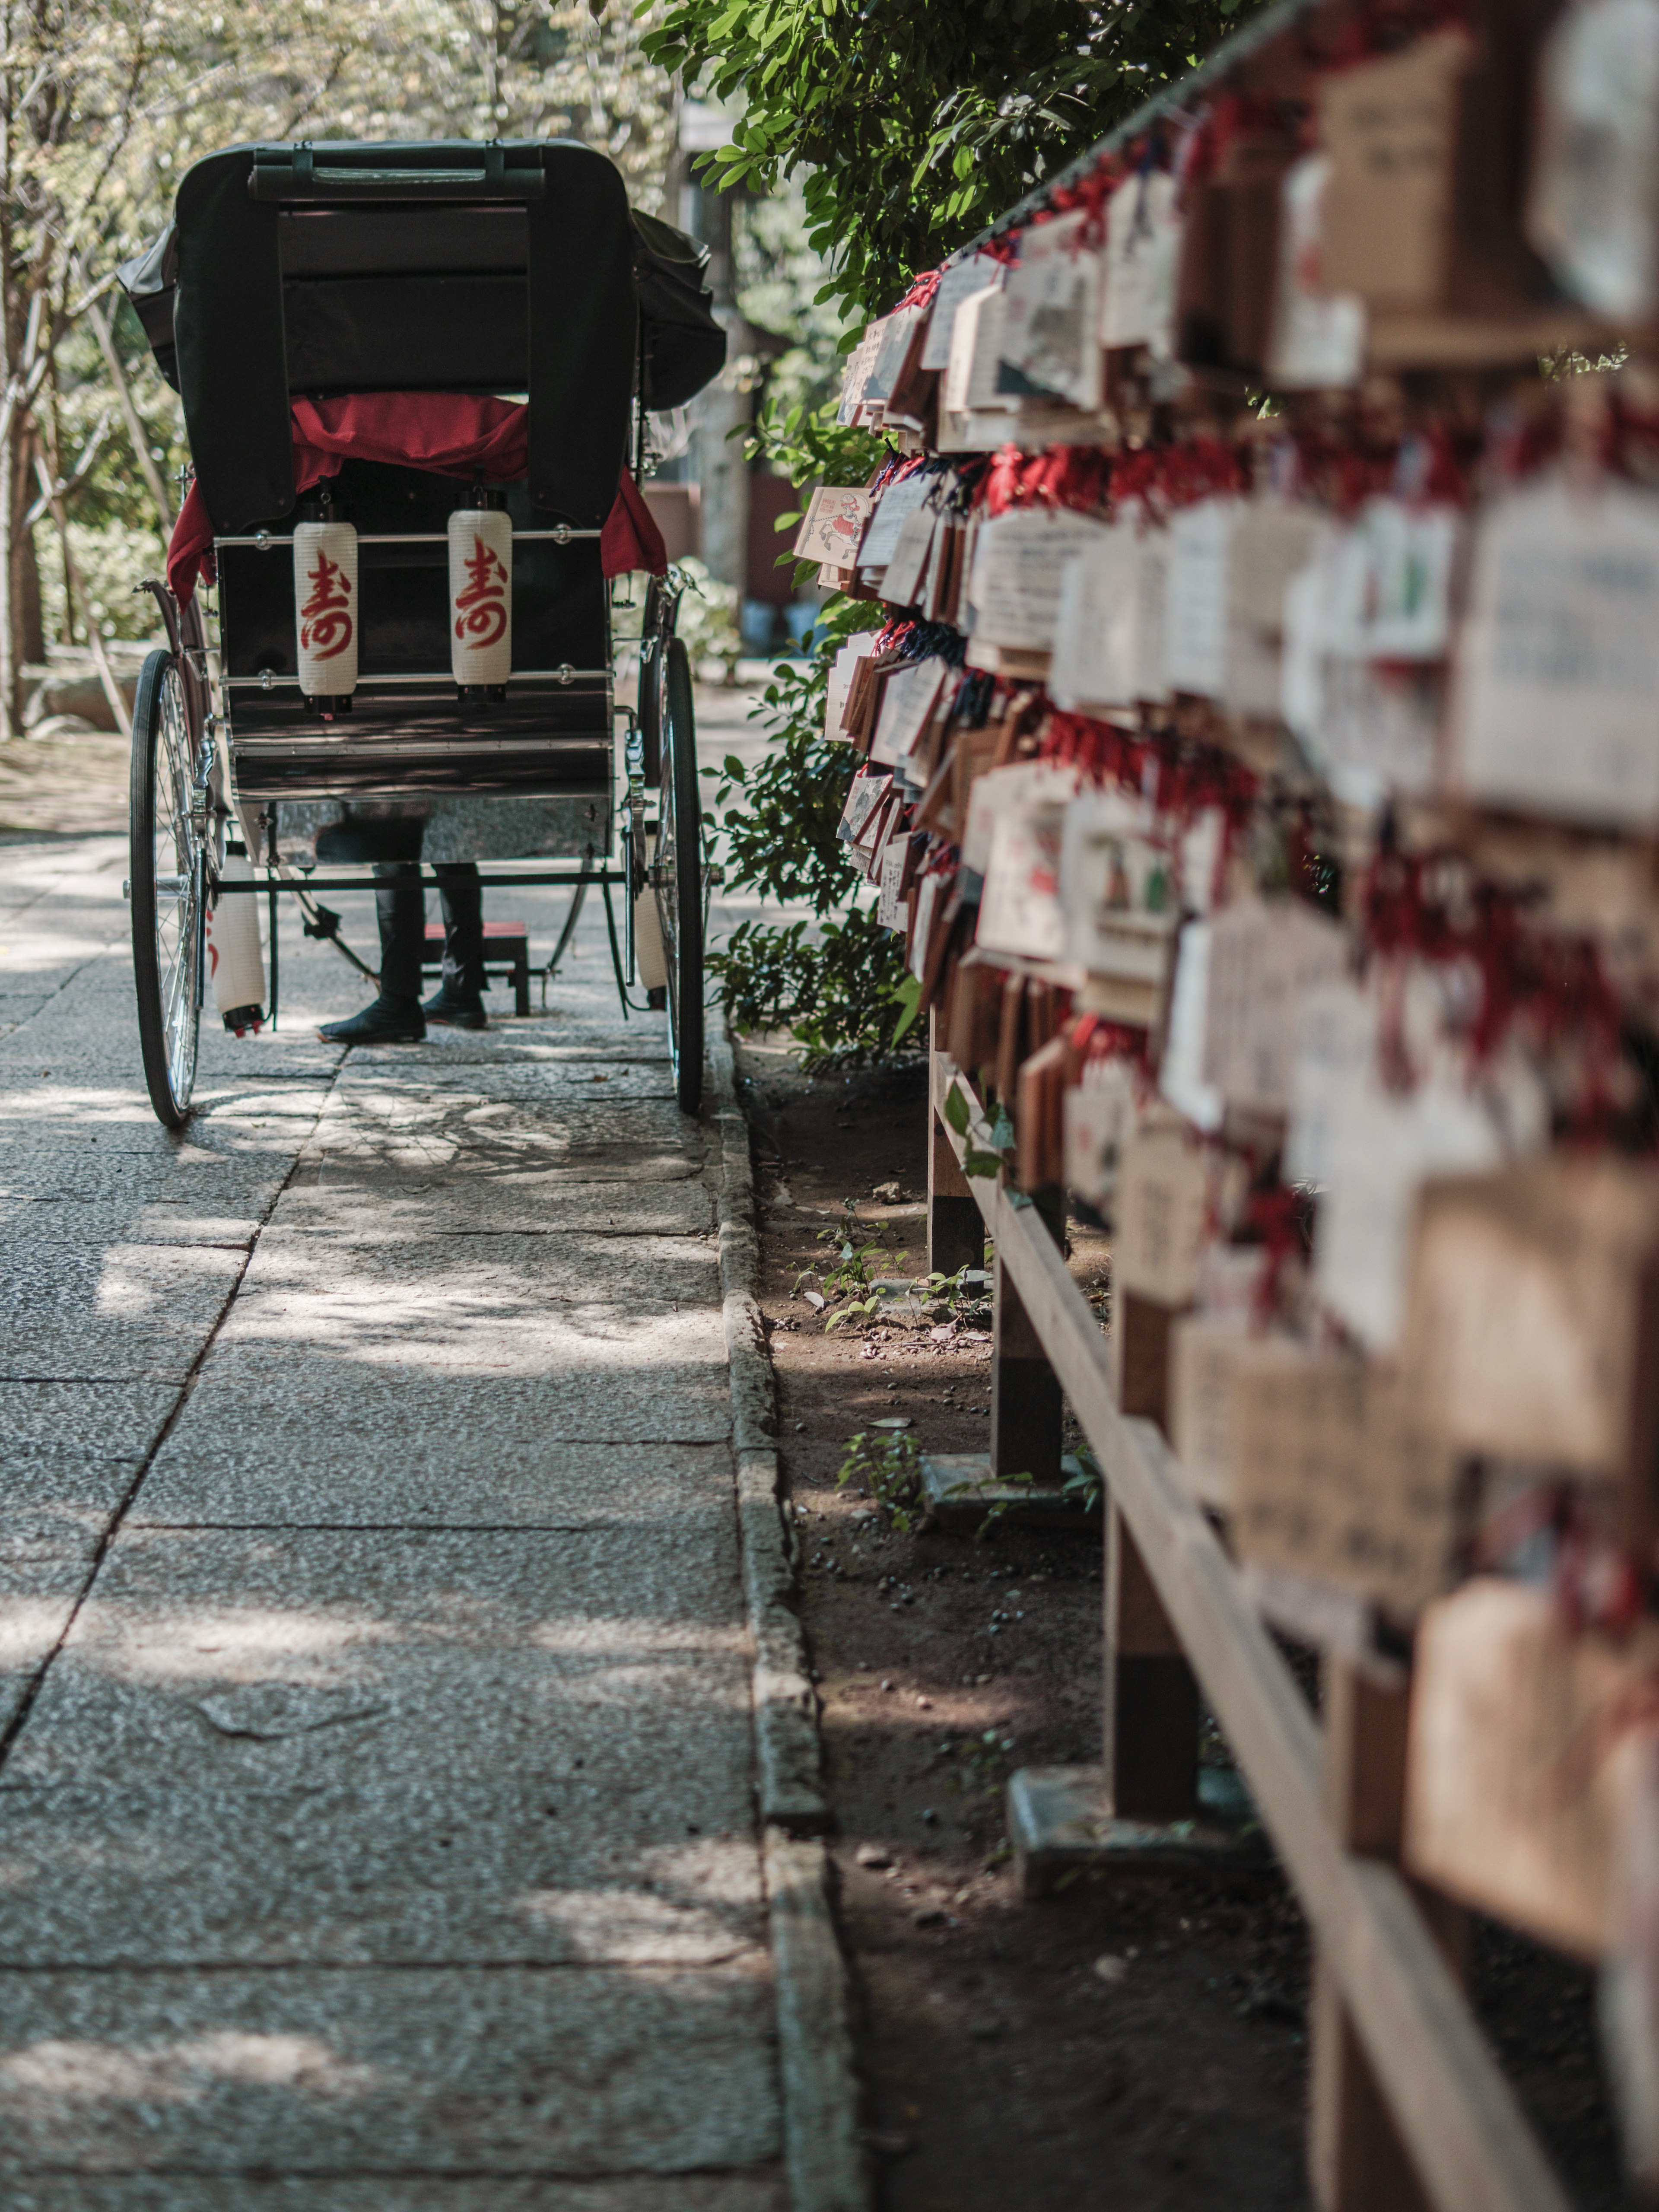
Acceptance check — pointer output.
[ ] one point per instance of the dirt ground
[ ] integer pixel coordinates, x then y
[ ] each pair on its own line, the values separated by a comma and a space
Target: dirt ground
63, 787
1141, 2046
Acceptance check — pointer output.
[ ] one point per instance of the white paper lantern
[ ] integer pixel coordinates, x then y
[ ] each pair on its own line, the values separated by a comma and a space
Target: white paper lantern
325, 608
481, 595
235, 958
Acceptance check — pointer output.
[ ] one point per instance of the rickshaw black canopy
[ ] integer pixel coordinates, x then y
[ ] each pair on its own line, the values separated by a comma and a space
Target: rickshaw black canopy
439, 266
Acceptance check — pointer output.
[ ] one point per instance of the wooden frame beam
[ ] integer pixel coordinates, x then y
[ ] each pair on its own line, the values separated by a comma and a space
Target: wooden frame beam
1454, 2111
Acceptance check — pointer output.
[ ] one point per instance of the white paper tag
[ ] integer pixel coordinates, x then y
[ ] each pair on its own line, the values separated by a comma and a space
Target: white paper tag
970, 379
888, 367
1594, 205
1051, 307
840, 683
901, 586
1318, 337
1117, 890
1096, 659
1263, 959
1380, 1148
865, 794
1195, 597
930, 891
1557, 665
1018, 566
1181, 1071
1019, 909
859, 362
908, 701
899, 501
1143, 256
833, 525
890, 911
959, 282
1100, 1114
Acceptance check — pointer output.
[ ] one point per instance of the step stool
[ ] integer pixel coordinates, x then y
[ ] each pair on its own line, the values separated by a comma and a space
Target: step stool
507, 952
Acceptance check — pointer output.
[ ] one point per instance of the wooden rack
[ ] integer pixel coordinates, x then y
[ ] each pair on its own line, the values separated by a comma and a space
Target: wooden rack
1408, 2107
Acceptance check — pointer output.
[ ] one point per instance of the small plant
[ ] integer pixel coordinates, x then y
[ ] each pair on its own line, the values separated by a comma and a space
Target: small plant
980, 1762
890, 1467
1084, 1484
848, 1275
960, 1299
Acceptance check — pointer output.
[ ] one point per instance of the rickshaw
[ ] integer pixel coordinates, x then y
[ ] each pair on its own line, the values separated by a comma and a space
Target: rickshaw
371, 340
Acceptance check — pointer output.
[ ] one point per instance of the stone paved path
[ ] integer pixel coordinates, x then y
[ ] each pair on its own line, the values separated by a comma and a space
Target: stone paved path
376, 1811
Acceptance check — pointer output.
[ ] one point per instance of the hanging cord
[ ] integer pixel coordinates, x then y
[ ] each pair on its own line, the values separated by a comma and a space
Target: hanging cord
322, 921
569, 931
640, 1006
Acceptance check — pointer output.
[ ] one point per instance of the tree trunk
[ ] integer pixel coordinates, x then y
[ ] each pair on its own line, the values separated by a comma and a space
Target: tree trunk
28, 630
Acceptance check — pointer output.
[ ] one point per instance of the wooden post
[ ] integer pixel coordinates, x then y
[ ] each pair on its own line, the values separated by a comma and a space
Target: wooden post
1025, 1394
1356, 2160
956, 1227
1151, 1693
1151, 1701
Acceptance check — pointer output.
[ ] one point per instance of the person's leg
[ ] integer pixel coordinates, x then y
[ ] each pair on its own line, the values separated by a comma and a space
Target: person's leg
400, 909
395, 1017
460, 998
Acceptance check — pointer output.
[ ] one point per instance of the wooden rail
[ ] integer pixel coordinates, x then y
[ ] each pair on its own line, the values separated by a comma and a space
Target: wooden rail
1381, 1976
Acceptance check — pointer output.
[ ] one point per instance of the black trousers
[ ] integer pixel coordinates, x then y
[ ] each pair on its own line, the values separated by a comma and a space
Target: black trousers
400, 904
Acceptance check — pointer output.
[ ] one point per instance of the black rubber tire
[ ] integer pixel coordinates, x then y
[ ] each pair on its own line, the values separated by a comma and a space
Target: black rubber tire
651, 684
679, 885
166, 921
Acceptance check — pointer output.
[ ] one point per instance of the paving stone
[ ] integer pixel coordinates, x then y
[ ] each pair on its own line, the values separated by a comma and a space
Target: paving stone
109, 1221
89, 1312
240, 2192
563, 1078
214, 1469
658, 1197
520, 1122
475, 1651
503, 1304
580, 2070
455, 1426
576, 1866
79, 1421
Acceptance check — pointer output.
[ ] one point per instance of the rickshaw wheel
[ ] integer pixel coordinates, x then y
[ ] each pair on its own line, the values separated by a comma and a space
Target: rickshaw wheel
167, 887
651, 651
680, 905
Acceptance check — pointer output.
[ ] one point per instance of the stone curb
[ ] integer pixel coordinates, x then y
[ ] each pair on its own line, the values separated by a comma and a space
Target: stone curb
822, 2149
786, 1713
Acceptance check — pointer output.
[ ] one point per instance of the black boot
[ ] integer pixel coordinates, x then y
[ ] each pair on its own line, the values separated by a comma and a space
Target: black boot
395, 1017
388, 1021
458, 1000
455, 1009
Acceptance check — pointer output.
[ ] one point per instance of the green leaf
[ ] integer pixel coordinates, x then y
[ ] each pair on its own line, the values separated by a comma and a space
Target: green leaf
957, 1113
909, 995
733, 769
981, 1164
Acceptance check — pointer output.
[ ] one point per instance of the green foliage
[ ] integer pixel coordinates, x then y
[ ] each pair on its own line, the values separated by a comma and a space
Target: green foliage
914, 125
838, 986
907, 128
890, 1467
707, 618
778, 279
838, 980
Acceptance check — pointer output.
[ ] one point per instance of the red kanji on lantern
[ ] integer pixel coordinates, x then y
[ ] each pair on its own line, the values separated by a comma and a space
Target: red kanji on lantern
325, 619
481, 609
